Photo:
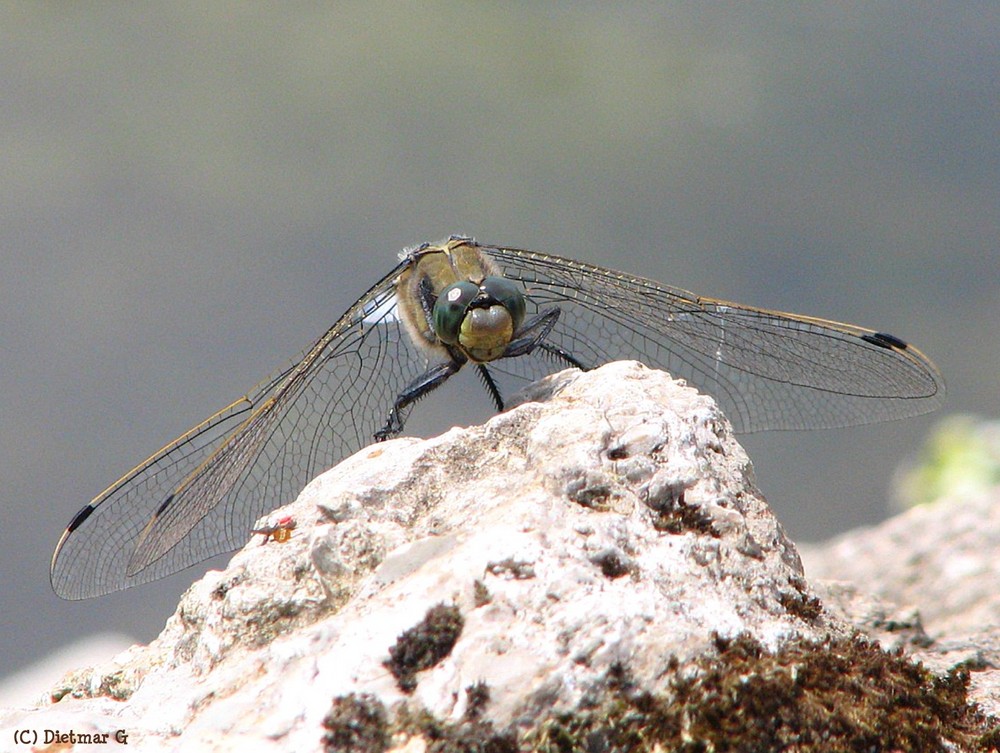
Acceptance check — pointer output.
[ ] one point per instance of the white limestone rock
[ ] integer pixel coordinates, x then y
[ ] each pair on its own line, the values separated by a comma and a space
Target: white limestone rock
608, 523
926, 581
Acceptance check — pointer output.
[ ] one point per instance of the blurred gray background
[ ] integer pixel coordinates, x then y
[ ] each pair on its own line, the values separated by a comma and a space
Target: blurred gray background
194, 191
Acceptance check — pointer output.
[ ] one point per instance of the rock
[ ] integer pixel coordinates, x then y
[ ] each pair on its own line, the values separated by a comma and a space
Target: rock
595, 567
933, 571
35, 681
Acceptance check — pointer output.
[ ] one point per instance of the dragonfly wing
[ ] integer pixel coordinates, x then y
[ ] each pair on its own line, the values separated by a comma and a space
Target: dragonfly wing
767, 369
200, 495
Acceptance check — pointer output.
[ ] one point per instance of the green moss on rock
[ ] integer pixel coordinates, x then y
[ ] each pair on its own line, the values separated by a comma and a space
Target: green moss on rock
424, 645
839, 695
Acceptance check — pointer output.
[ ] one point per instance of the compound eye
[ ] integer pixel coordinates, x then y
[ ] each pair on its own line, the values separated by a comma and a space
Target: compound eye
508, 295
450, 308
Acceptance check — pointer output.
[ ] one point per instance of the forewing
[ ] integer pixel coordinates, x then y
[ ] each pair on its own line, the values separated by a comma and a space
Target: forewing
200, 495
767, 369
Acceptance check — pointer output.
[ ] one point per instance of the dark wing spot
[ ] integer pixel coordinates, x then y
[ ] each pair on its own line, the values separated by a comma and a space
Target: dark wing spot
885, 340
163, 506
79, 518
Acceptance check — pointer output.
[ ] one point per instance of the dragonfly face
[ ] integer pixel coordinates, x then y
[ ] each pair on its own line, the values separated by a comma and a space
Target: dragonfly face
513, 316
453, 297
479, 318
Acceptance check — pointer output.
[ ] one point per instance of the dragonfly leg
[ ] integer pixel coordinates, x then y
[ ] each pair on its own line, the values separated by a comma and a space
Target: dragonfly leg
531, 335
491, 385
565, 355
426, 382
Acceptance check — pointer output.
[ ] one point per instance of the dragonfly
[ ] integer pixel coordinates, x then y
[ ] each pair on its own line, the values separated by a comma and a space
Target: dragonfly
512, 316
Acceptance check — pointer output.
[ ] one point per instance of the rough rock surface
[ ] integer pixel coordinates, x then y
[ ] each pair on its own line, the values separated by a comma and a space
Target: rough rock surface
602, 539
926, 581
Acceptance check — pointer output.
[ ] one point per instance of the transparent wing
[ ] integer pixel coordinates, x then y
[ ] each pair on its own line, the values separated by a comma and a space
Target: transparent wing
767, 369
200, 495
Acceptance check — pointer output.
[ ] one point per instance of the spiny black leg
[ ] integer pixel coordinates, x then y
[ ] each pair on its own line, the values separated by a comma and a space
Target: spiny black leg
532, 334
423, 384
491, 385
566, 356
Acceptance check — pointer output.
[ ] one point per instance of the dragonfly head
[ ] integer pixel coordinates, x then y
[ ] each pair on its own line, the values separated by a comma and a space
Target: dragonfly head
479, 319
